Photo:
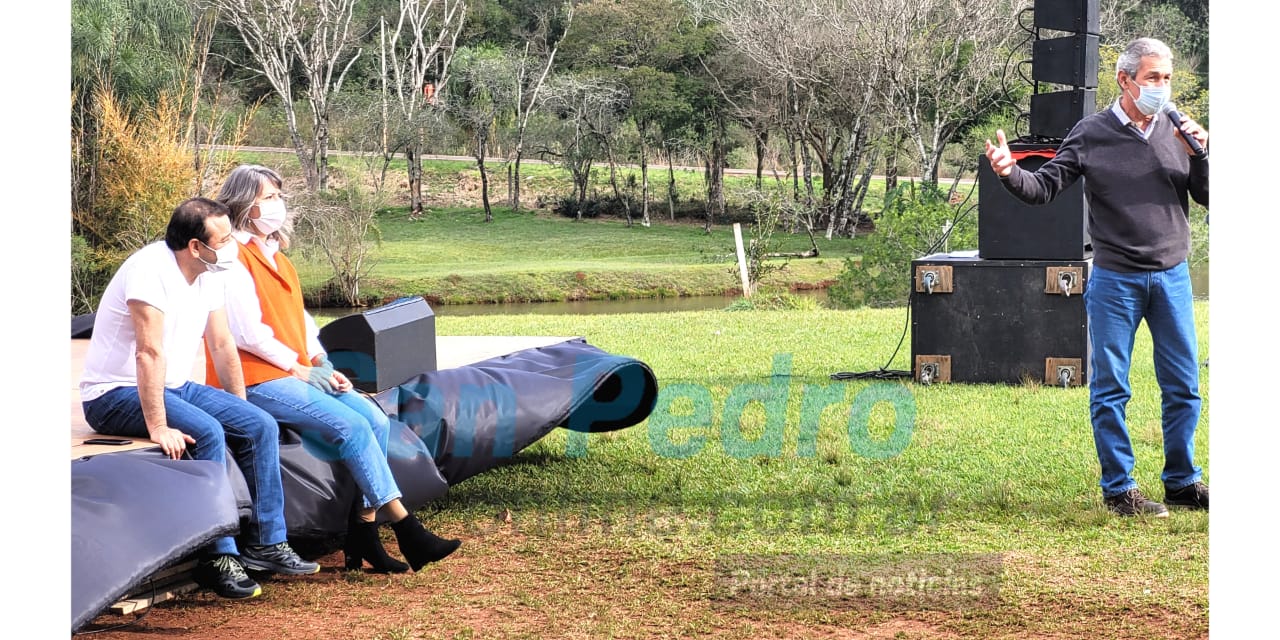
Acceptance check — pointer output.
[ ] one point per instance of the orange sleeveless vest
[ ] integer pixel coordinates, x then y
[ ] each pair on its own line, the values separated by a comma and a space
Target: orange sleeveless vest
280, 296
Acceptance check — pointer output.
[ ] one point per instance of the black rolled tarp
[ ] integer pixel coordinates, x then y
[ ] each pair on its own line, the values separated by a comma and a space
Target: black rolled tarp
449, 425
475, 417
82, 326
320, 493
132, 515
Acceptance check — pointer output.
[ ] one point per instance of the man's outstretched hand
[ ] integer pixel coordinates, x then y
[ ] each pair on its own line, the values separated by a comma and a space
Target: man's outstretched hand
998, 154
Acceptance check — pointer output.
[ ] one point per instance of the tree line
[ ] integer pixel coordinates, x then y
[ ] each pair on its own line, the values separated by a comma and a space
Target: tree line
831, 91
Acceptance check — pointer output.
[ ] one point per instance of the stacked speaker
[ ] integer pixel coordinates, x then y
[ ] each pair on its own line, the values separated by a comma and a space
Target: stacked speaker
383, 347
1013, 311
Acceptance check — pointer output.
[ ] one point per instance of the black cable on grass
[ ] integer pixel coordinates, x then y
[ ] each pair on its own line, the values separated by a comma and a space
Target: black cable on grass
884, 373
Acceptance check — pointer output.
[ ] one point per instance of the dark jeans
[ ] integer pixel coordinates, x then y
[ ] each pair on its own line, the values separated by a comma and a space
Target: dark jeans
217, 420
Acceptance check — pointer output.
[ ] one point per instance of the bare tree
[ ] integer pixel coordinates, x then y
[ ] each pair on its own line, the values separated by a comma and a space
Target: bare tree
813, 77
587, 112
415, 60
316, 37
481, 96
366, 129
535, 63
941, 61
340, 226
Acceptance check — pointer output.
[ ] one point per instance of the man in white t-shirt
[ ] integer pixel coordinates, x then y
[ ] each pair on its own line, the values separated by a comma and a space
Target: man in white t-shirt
146, 337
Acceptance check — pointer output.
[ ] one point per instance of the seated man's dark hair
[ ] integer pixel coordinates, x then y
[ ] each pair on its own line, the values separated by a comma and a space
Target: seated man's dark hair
188, 221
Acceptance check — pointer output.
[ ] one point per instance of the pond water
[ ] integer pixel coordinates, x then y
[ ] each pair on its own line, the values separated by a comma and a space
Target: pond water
1199, 284
580, 307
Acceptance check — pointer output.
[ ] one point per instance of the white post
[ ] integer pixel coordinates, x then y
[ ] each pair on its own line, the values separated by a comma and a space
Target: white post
742, 260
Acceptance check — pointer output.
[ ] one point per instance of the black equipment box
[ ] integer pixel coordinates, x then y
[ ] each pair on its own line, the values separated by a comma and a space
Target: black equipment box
384, 346
977, 320
1010, 229
1053, 115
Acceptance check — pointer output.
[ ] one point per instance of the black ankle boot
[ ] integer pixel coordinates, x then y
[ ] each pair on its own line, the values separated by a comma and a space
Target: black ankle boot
363, 545
420, 546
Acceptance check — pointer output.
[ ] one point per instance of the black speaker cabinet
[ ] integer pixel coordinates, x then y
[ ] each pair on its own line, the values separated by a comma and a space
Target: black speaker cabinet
384, 346
1054, 114
1072, 60
1010, 229
999, 321
1076, 16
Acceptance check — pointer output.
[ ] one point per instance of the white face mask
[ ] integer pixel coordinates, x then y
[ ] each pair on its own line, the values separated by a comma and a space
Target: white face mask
271, 215
226, 257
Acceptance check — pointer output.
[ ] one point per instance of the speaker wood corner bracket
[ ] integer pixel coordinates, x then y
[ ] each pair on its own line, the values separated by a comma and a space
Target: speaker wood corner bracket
934, 278
1064, 281
932, 369
1063, 372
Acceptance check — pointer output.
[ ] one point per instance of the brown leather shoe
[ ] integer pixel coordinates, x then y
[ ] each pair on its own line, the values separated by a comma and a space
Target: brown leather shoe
1133, 503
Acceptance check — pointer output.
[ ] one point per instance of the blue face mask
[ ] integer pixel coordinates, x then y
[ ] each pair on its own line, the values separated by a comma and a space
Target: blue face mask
1151, 100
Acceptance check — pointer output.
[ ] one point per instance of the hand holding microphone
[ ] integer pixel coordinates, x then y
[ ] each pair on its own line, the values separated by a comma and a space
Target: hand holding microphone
1192, 133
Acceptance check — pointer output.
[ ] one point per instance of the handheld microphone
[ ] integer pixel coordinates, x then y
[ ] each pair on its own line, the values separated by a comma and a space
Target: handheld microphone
1176, 117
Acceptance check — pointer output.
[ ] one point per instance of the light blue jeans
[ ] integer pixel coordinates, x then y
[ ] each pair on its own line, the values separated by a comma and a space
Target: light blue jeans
344, 427
216, 420
1116, 303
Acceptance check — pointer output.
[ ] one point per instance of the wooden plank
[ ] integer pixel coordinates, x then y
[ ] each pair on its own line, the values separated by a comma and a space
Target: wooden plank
165, 584
457, 351
134, 605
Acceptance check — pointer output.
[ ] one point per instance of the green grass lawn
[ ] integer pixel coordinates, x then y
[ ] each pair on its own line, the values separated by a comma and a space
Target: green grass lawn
987, 471
452, 256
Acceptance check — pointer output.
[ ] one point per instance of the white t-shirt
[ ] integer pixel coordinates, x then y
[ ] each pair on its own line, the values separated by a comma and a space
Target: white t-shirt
150, 275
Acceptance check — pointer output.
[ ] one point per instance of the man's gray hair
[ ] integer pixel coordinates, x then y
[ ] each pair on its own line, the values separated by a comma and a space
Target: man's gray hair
1138, 49
241, 190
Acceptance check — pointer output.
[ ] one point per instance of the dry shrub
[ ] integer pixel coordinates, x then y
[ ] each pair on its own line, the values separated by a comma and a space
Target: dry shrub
143, 164
146, 170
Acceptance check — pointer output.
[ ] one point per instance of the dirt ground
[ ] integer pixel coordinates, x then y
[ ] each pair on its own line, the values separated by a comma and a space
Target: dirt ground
506, 584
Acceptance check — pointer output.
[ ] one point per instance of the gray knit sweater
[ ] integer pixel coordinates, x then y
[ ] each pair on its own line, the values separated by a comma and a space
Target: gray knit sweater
1136, 189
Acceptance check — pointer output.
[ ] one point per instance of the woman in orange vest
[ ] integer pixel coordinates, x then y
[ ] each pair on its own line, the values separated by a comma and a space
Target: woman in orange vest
288, 374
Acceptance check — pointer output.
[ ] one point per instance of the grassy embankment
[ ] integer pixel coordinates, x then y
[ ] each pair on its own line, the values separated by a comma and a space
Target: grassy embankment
452, 256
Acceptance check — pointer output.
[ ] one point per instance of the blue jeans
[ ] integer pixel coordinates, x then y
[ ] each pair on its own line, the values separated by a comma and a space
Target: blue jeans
217, 420
344, 427
1116, 303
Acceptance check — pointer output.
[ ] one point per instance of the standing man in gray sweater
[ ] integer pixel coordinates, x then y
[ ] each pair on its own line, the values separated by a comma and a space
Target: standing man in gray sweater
1139, 173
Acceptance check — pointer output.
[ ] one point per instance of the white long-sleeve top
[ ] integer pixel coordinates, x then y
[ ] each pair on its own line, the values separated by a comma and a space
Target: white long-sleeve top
244, 313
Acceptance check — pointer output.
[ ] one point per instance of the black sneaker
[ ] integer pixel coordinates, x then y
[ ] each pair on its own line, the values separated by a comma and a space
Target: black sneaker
1192, 496
224, 575
1133, 503
276, 558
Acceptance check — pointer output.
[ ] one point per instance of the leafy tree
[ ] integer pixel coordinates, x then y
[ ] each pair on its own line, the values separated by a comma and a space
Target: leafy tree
145, 169
134, 48
481, 96
646, 46
918, 220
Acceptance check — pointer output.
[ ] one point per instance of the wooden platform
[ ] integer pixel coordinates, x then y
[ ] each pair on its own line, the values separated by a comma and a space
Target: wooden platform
451, 351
